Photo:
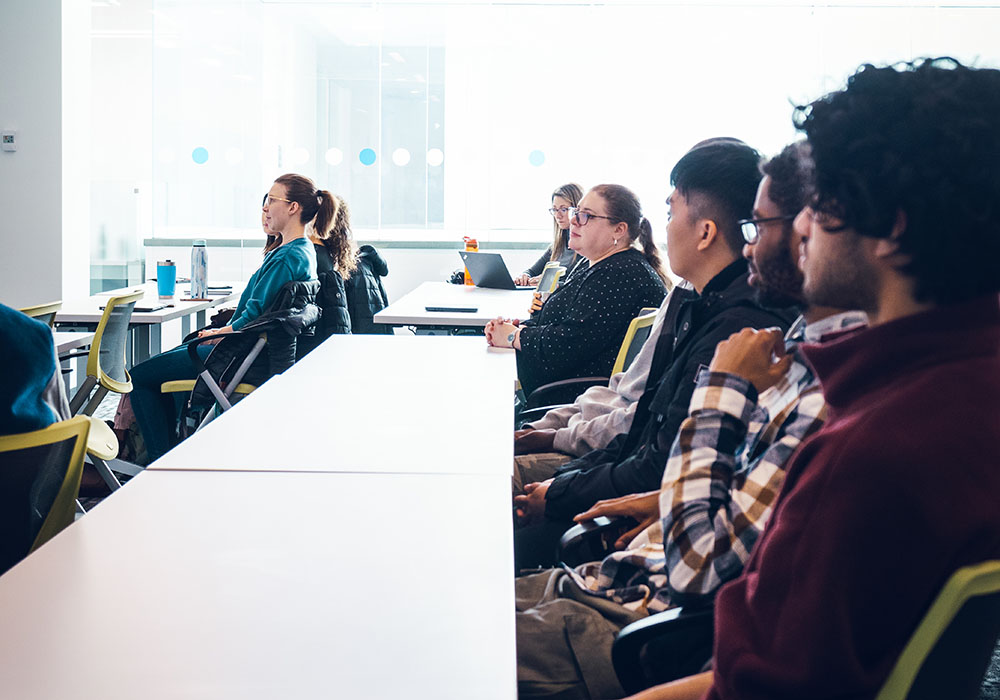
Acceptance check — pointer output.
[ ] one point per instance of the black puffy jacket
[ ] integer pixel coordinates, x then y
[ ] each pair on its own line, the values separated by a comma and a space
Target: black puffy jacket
332, 299
365, 293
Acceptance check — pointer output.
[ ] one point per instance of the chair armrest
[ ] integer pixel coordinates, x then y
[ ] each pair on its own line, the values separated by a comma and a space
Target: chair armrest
564, 391
192, 346
532, 414
592, 540
664, 647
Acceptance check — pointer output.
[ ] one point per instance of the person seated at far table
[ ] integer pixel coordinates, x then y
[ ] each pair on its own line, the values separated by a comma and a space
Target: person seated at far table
32, 395
563, 199
292, 203
336, 261
898, 490
579, 330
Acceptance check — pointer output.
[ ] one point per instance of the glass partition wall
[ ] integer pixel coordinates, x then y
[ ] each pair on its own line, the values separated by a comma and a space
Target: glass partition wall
436, 120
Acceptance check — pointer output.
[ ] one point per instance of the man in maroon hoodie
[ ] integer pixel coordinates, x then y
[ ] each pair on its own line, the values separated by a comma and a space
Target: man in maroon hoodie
899, 489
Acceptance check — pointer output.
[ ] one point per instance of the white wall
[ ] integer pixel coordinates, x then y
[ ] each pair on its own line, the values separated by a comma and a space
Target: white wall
45, 255
30, 179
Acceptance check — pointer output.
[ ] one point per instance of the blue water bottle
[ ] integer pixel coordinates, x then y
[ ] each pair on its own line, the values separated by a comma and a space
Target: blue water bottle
199, 270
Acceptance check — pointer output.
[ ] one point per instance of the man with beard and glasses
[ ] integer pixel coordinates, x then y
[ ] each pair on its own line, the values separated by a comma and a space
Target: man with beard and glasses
748, 414
899, 488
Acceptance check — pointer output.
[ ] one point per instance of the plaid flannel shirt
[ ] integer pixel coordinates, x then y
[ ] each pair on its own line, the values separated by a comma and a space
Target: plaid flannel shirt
719, 487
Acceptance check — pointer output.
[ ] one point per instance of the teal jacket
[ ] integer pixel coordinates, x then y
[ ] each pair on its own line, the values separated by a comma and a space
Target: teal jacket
292, 262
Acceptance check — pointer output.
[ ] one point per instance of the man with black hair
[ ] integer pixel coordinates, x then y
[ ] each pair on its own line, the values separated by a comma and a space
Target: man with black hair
898, 489
714, 187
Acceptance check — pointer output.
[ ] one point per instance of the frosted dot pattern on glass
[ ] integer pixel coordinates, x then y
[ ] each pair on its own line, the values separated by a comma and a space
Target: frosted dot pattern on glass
401, 157
334, 156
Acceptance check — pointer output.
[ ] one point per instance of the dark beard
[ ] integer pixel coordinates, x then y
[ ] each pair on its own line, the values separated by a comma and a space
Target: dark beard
779, 282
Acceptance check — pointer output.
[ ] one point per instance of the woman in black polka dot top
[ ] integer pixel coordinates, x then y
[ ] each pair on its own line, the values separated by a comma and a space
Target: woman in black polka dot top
579, 330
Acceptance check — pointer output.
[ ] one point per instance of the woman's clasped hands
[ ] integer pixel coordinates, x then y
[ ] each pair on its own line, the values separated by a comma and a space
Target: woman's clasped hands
501, 332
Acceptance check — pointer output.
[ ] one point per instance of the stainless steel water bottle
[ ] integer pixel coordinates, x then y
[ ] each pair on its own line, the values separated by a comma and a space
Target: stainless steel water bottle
199, 269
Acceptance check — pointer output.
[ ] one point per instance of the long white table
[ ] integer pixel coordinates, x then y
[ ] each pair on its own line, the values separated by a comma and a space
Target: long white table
407, 404
65, 342
343, 532
202, 585
145, 325
411, 309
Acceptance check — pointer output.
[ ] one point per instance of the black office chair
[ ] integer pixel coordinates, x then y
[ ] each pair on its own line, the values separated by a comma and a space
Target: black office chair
946, 657
244, 359
565, 391
39, 481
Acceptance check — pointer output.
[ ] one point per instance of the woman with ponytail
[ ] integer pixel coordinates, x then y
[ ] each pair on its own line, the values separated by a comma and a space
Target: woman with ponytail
291, 204
579, 330
336, 260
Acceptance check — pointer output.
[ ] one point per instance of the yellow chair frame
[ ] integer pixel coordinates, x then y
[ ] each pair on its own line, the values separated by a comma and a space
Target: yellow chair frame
95, 374
645, 319
966, 583
63, 507
44, 312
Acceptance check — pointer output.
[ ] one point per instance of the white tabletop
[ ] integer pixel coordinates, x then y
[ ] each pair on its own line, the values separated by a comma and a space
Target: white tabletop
411, 309
202, 585
71, 340
88, 310
370, 403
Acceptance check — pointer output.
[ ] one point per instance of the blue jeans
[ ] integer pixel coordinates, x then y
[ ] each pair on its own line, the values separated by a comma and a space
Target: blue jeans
156, 413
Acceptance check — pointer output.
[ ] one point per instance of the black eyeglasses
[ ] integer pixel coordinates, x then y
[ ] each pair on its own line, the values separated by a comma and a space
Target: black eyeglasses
751, 227
582, 217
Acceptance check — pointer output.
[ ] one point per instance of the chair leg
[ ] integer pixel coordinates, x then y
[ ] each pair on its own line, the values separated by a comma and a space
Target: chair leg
109, 476
82, 394
95, 401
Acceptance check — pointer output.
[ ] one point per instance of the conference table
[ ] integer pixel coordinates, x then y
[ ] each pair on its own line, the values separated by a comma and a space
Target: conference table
362, 549
145, 325
381, 403
481, 306
67, 341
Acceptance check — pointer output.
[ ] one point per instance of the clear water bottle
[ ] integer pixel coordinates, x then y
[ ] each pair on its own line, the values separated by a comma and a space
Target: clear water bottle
199, 270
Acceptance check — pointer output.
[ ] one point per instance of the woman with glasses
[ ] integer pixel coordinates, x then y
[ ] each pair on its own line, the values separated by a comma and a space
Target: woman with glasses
292, 203
563, 199
579, 330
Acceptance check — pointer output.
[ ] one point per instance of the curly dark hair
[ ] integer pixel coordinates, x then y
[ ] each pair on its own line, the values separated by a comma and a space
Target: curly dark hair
725, 173
921, 138
791, 173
